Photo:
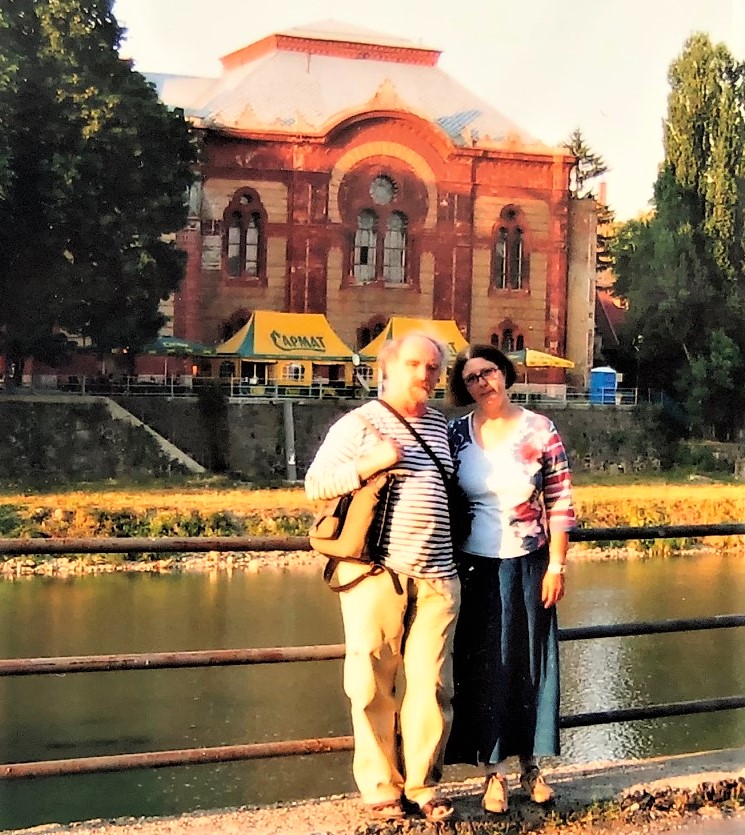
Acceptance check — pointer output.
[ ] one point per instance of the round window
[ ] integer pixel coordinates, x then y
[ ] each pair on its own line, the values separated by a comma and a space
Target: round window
382, 190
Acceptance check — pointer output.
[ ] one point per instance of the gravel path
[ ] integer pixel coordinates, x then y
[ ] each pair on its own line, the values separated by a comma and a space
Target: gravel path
578, 788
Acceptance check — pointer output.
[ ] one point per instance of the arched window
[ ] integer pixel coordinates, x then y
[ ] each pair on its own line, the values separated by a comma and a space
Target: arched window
365, 244
367, 332
508, 342
394, 249
383, 209
507, 336
244, 247
509, 259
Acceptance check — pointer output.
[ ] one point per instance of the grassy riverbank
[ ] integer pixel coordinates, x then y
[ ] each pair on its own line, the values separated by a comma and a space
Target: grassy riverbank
217, 507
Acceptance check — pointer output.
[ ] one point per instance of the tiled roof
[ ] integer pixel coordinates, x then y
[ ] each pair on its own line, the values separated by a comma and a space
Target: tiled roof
298, 91
609, 316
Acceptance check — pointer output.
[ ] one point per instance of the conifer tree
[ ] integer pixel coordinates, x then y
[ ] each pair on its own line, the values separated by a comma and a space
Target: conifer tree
588, 167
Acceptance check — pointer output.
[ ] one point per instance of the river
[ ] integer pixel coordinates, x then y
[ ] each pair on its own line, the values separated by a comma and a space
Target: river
52, 717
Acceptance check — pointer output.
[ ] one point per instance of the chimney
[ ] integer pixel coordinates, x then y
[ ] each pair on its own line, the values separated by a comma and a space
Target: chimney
603, 193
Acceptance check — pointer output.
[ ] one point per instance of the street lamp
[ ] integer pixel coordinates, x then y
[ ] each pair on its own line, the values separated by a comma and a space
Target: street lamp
355, 365
635, 343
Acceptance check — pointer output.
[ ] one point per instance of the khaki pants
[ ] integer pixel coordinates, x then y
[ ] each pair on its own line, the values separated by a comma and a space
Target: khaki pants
387, 632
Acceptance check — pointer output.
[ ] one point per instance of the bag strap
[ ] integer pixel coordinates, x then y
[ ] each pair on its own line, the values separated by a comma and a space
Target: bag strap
443, 473
375, 568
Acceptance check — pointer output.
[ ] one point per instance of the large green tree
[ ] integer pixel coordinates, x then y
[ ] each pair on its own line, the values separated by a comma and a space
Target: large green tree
95, 176
682, 269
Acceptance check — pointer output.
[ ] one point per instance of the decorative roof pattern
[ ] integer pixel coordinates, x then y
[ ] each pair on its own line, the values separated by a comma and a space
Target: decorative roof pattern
301, 92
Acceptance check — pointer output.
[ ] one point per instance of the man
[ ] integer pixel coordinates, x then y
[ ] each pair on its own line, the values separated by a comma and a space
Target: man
404, 617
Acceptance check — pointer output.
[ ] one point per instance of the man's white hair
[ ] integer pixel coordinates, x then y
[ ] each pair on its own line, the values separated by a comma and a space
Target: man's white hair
391, 349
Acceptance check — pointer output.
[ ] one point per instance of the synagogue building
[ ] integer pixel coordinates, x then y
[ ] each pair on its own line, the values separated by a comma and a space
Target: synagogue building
345, 173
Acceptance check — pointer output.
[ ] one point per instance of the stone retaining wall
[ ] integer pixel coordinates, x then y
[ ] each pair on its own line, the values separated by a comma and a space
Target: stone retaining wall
74, 439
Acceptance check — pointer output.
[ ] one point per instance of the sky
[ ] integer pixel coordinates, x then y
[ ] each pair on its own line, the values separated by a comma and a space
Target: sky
549, 66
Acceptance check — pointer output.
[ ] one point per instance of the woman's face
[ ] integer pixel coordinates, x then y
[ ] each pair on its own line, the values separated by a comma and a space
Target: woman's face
484, 380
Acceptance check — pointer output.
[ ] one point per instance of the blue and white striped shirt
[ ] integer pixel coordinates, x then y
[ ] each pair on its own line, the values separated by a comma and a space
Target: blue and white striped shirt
417, 540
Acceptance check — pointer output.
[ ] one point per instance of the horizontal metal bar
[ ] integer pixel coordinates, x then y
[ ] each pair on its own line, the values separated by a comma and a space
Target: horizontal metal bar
325, 652
322, 745
156, 545
630, 714
656, 532
184, 756
200, 544
621, 630
167, 660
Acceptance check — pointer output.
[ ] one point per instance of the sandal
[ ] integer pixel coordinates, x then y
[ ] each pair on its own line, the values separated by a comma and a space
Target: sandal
438, 809
386, 810
535, 786
495, 797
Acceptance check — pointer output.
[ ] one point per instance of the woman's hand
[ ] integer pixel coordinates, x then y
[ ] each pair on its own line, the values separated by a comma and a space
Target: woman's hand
552, 589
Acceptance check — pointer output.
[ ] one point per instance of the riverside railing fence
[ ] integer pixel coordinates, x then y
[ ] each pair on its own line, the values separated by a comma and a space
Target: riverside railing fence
276, 655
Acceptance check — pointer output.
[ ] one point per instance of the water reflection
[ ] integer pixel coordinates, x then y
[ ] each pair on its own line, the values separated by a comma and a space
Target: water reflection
51, 717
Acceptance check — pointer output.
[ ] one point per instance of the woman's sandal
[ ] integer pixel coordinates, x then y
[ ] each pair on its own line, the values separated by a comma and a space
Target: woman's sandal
495, 797
386, 810
437, 809
535, 786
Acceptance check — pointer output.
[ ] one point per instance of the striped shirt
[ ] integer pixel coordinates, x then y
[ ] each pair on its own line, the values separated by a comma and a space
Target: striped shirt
517, 488
417, 541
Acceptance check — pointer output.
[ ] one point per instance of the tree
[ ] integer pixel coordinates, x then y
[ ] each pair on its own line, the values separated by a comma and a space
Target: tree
97, 169
589, 166
682, 269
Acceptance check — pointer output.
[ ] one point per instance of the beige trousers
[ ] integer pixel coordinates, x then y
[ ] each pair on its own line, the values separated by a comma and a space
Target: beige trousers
386, 633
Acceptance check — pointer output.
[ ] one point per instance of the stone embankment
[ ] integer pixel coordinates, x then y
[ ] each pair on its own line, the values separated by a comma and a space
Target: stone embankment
218, 561
634, 796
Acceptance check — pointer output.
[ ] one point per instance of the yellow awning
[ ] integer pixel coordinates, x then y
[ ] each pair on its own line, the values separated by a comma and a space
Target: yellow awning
270, 335
538, 359
443, 330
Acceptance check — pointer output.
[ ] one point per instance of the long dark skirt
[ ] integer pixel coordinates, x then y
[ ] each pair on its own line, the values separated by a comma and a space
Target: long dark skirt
506, 662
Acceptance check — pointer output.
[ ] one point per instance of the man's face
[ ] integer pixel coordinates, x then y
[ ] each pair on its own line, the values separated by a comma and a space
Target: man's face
412, 375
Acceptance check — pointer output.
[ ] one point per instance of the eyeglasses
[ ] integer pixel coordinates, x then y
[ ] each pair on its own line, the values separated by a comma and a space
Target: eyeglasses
485, 375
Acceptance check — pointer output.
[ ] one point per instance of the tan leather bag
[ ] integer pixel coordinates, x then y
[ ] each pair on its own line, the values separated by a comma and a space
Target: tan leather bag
342, 528
350, 528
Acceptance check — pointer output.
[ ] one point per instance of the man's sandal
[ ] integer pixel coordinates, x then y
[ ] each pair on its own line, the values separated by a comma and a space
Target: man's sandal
437, 809
386, 810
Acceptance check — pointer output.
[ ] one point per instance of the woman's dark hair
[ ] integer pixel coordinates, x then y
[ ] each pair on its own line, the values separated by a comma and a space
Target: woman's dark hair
457, 389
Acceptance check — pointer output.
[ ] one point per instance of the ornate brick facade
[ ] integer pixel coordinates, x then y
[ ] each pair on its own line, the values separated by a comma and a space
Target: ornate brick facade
374, 208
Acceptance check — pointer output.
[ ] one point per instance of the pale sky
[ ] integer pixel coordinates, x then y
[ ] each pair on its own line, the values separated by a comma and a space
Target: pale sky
549, 66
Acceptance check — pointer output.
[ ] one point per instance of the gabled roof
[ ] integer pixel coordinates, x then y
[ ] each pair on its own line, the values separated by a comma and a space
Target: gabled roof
445, 331
609, 316
277, 336
306, 80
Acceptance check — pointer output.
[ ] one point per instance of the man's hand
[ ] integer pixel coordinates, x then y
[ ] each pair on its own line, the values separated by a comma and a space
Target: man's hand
383, 455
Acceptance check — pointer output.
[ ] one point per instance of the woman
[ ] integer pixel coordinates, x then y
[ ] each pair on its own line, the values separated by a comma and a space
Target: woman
513, 467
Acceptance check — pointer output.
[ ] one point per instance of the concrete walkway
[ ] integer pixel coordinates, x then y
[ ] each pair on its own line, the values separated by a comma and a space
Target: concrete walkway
577, 787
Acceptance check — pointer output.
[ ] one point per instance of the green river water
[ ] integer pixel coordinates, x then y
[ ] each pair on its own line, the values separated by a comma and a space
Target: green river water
90, 714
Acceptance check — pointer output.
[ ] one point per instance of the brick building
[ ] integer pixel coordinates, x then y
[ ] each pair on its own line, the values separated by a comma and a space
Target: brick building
345, 173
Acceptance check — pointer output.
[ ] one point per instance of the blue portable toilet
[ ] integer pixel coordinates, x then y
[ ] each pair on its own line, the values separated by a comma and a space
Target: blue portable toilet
603, 384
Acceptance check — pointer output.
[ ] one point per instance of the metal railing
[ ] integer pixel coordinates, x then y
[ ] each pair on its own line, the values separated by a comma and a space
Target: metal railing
245, 388
274, 655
